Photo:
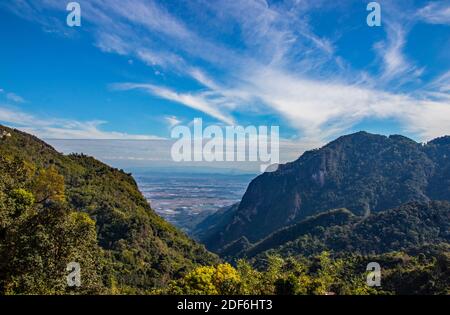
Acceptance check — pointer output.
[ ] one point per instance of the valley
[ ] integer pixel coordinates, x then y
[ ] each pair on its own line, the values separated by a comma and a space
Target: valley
185, 199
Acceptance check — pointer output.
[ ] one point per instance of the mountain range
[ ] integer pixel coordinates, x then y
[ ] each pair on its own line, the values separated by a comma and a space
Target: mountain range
363, 173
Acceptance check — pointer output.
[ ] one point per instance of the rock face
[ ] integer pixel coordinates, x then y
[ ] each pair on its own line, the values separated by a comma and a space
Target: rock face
362, 172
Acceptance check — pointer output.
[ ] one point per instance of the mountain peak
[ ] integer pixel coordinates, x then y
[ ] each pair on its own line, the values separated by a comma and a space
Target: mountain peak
356, 139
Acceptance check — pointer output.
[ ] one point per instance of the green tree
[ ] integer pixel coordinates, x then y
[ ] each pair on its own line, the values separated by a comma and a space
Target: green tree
210, 280
38, 240
251, 279
48, 185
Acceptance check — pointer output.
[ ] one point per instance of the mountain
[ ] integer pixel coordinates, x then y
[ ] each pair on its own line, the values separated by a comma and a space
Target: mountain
412, 225
56, 209
362, 172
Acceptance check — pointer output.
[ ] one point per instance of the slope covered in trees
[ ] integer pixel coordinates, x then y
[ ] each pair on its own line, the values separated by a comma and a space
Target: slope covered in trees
56, 209
412, 225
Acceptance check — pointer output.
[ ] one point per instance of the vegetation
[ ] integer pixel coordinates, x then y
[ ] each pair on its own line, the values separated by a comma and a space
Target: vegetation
322, 275
40, 235
408, 226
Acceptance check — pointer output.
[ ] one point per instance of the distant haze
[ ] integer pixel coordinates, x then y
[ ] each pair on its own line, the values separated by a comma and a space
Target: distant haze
146, 155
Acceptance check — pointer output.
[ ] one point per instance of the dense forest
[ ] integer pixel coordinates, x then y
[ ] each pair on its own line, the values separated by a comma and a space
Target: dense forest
56, 209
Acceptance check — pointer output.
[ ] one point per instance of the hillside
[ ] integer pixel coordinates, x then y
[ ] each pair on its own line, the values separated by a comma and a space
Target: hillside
362, 172
45, 196
412, 225
214, 222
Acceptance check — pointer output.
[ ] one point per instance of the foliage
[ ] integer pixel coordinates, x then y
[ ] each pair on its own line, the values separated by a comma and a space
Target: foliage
48, 186
408, 226
211, 280
322, 275
39, 239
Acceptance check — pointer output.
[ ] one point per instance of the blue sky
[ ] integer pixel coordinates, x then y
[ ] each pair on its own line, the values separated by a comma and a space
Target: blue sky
136, 68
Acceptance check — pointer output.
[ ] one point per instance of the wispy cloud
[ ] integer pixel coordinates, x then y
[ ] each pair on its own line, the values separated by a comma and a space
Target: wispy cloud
199, 101
397, 68
281, 65
15, 98
12, 97
391, 52
441, 83
324, 109
172, 121
435, 13
54, 128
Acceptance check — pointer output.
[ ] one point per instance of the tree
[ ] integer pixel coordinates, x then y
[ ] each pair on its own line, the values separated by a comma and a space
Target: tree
250, 279
287, 286
39, 239
326, 275
209, 280
48, 185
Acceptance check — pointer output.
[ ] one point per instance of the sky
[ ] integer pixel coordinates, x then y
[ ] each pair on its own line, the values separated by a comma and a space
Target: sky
135, 69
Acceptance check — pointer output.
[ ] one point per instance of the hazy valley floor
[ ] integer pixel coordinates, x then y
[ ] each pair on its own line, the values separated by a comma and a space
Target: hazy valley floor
185, 199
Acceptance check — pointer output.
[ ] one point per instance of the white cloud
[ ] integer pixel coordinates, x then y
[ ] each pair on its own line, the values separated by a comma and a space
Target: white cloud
435, 13
15, 98
391, 52
113, 44
397, 69
198, 101
202, 78
172, 121
428, 119
324, 109
53, 128
151, 15
441, 84
12, 97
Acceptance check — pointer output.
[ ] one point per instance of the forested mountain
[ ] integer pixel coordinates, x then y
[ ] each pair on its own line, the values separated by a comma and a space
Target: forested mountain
56, 209
362, 172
